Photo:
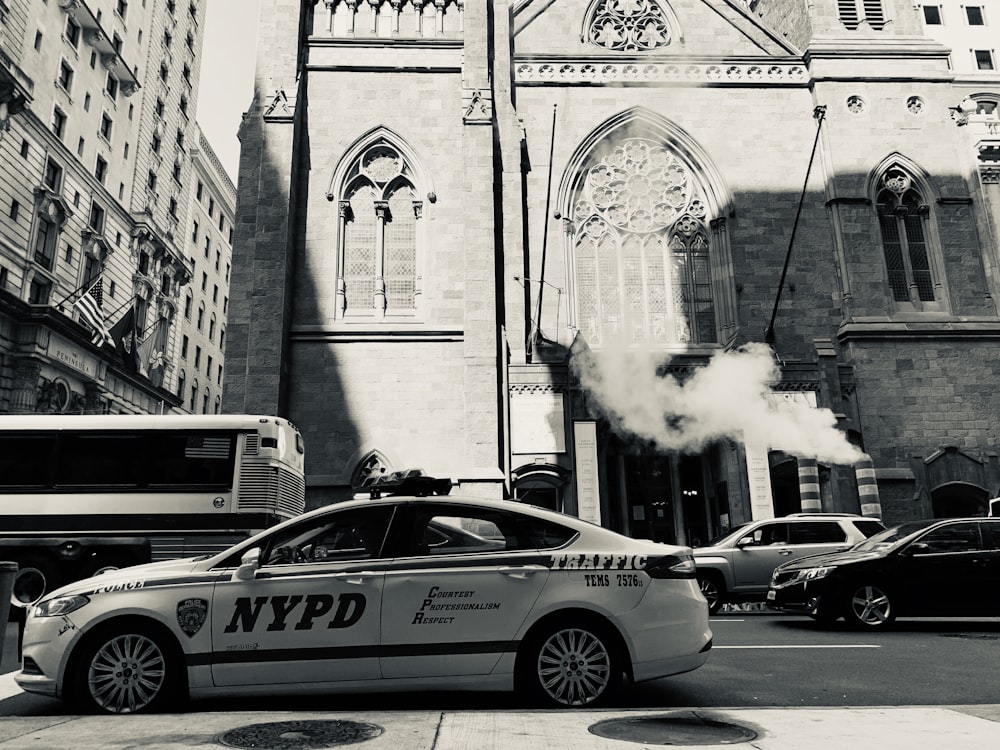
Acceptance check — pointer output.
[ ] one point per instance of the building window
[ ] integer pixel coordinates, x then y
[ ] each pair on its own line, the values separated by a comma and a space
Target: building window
184, 106
211, 328
101, 169
172, 207
111, 86
38, 41
984, 59
151, 180
211, 207
65, 79
68, 255
853, 12
641, 248
628, 27
204, 281
39, 291
156, 144
164, 72
932, 15
45, 243
222, 342
974, 14
903, 217
218, 259
208, 365
72, 32
215, 293
184, 346
106, 126
58, 122
96, 217
200, 190
197, 356
177, 172
116, 42
79, 147
122, 8
201, 316
379, 216
53, 175
188, 300
194, 232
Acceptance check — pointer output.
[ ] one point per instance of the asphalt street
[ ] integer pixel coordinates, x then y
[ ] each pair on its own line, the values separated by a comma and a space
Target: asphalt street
772, 682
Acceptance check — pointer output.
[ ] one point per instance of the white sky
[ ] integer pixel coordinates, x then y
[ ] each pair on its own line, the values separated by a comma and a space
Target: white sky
227, 68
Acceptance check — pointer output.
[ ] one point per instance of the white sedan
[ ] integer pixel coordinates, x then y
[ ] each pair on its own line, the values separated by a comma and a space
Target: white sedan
394, 593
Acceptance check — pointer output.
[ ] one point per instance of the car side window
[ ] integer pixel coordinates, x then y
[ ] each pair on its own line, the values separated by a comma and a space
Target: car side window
816, 532
955, 537
991, 530
451, 530
773, 533
355, 534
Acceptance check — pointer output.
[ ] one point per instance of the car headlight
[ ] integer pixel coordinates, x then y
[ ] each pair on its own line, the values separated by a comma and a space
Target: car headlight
820, 572
60, 605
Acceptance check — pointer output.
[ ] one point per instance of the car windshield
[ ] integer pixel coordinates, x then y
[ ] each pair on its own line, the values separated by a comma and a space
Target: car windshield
734, 532
893, 536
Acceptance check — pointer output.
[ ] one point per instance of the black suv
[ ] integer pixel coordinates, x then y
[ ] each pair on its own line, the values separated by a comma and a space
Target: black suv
738, 566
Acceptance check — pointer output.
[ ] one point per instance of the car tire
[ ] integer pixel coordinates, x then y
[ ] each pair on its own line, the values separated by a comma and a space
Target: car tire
570, 665
869, 606
131, 668
712, 590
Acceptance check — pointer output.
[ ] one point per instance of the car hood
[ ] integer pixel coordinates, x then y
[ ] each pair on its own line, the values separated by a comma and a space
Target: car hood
127, 578
832, 558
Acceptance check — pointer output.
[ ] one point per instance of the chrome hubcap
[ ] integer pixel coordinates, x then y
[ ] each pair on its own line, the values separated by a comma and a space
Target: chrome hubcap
709, 591
126, 674
871, 605
574, 667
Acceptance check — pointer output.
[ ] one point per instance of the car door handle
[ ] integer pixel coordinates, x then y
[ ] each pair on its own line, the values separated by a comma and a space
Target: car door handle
784, 552
357, 577
520, 571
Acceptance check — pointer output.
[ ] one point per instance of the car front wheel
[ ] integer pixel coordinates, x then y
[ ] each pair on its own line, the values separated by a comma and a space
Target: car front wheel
870, 607
571, 665
126, 671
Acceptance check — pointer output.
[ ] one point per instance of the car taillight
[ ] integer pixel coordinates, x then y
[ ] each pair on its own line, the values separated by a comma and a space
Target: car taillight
671, 566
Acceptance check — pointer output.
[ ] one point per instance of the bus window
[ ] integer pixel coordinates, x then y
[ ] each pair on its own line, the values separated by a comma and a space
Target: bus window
191, 460
99, 460
25, 460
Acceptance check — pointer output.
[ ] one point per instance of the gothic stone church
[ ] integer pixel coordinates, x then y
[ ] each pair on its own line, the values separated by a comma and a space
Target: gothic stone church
437, 199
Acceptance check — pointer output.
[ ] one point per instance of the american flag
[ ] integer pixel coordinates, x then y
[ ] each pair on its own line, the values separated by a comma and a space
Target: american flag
202, 446
90, 307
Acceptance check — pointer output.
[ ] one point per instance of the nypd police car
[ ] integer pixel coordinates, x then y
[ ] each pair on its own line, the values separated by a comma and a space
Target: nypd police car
395, 592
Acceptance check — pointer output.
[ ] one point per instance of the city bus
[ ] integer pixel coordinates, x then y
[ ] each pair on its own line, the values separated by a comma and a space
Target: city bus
81, 494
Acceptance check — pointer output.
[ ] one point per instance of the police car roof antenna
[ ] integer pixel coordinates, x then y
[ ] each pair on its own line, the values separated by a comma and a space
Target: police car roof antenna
819, 113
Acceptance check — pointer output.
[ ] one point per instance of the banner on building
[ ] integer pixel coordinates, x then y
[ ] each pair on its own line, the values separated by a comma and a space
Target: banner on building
588, 495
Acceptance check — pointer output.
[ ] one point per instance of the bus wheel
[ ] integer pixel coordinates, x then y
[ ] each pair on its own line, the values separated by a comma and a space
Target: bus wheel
34, 578
130, 669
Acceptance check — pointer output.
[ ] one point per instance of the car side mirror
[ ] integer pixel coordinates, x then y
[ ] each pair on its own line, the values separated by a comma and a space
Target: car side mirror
249, 564
918, 548
747, 541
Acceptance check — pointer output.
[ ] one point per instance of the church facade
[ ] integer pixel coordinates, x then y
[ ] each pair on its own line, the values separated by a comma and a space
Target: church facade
446, 209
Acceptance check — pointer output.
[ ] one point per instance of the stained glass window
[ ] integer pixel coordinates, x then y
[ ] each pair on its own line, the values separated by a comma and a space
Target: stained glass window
642, 250
901, 212
629, 26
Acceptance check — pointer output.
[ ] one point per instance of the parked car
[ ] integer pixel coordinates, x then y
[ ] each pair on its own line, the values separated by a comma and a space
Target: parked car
935, 568
384, 593
738, 567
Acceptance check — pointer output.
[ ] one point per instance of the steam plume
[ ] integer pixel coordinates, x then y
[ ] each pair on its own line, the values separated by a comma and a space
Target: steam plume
728, 398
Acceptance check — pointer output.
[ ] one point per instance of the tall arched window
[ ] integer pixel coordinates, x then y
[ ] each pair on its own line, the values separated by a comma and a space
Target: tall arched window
379, 235
903, 215
641, 248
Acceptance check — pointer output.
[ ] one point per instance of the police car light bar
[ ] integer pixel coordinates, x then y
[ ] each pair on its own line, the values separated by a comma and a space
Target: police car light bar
407, 482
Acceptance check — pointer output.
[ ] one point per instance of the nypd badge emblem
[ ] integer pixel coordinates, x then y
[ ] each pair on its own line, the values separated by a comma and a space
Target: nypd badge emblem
191, 614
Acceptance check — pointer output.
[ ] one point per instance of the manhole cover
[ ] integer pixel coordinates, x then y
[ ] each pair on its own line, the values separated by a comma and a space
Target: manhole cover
675, 729
293, 735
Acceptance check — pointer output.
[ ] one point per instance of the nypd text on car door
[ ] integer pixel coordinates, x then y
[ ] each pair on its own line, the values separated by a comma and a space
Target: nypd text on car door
310, 611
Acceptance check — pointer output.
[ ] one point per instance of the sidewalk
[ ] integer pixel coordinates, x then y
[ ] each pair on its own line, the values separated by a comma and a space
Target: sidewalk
885, 728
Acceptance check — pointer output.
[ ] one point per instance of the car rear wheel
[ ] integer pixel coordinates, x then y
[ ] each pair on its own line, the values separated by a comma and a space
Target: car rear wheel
126, 671
870, 607
712, 592
571, 665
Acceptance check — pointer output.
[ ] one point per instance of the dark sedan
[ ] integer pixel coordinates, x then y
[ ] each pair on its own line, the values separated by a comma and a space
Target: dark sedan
932, 568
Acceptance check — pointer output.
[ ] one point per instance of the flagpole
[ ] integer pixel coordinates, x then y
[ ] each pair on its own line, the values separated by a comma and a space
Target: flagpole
80, 288
121, 307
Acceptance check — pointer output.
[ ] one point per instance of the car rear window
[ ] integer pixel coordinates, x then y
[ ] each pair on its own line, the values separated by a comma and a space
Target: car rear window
868, 527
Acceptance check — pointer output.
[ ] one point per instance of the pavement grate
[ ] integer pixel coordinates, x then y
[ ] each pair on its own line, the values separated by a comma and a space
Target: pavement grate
684, 728
299, 735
